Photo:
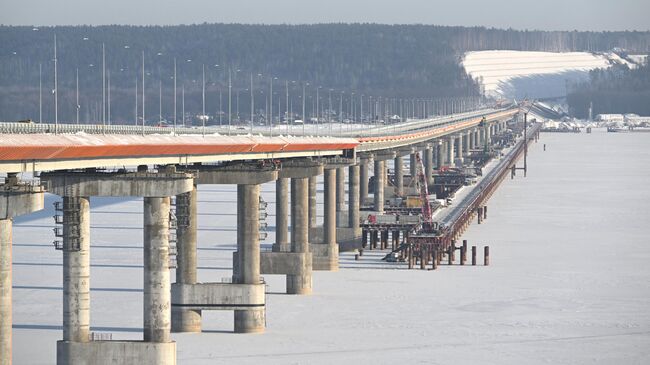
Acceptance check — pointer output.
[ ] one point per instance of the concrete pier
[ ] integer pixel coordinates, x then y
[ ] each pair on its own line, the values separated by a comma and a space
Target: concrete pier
428, 163
399, 179
459, 151
450, 151
380, 181
245, 295
363, 181
329, 223
312, 201
440, 154
300, 283
281, 216
340, 189
413, 166
156, 188
248, 254
186, 320
157, 285
76, 269
353, 199
15, 199
5, 291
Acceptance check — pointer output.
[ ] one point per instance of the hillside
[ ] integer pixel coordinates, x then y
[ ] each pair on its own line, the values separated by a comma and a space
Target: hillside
382, 60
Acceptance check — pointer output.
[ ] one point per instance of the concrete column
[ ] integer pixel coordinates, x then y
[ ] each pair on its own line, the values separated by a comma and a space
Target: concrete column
76, 269
428, 163
450, 151
466, 144
471, 140
380, 177
248, 252
301, 283
440, 154
459, 149
329, 224
399, 180
157, 287
186, 320
487, 134
5, 291
340, 189
312, 201
413, 169
363, 181
281, 216
353, 196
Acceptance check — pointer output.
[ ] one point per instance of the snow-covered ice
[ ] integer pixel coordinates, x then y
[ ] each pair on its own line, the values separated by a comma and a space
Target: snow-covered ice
569, 280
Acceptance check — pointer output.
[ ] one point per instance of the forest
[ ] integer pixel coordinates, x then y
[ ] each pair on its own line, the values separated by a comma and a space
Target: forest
389, 61
617, 90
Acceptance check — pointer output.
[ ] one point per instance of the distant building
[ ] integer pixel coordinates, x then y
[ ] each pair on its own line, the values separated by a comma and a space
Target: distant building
610, 117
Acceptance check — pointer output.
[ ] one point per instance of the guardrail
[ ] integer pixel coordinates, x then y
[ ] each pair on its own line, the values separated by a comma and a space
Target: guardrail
354, 130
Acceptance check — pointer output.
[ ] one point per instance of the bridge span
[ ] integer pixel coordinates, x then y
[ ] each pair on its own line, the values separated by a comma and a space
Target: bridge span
164, 166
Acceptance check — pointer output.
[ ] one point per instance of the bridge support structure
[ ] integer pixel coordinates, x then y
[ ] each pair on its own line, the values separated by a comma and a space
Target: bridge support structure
428, 163
245, 294
16, 199
450, 151
459, 151
296, 262
76, 187
380, 178
281, 216
363, 179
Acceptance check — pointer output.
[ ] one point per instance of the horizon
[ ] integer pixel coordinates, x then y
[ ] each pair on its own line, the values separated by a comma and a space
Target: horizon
551, 15
316, 24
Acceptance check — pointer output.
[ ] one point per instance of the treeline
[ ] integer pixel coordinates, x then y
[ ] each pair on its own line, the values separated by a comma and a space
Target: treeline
617, 90
399, 61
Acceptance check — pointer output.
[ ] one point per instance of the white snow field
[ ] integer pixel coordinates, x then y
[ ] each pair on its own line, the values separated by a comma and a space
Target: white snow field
569, 281
519, 74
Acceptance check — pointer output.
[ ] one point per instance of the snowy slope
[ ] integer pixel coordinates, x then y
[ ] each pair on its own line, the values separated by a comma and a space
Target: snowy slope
519, 74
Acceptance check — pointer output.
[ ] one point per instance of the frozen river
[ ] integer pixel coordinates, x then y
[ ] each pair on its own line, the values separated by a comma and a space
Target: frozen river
569, 280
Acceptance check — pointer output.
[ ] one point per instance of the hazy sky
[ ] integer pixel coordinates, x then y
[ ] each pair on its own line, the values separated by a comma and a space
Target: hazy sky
519, 14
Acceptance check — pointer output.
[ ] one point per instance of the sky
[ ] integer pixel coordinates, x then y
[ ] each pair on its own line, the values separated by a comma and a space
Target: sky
598, 15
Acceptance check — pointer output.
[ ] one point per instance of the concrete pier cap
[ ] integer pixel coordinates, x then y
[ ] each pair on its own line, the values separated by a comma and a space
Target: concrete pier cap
298, 168
236, 173
142, 183
385, 155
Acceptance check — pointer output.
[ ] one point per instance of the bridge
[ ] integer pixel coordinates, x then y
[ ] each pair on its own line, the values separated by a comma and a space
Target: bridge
164, 166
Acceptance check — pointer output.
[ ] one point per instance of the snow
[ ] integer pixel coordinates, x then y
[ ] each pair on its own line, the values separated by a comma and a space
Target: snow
568, 282
519, 74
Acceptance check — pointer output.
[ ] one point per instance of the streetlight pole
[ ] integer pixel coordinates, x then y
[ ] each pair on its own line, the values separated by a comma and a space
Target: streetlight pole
203, 102
303, 109
229, 98
40, 93
252, 105
108, 103
136, 100
143, 94
271, 106
77, 106
56, 92
103, 85
175, 95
